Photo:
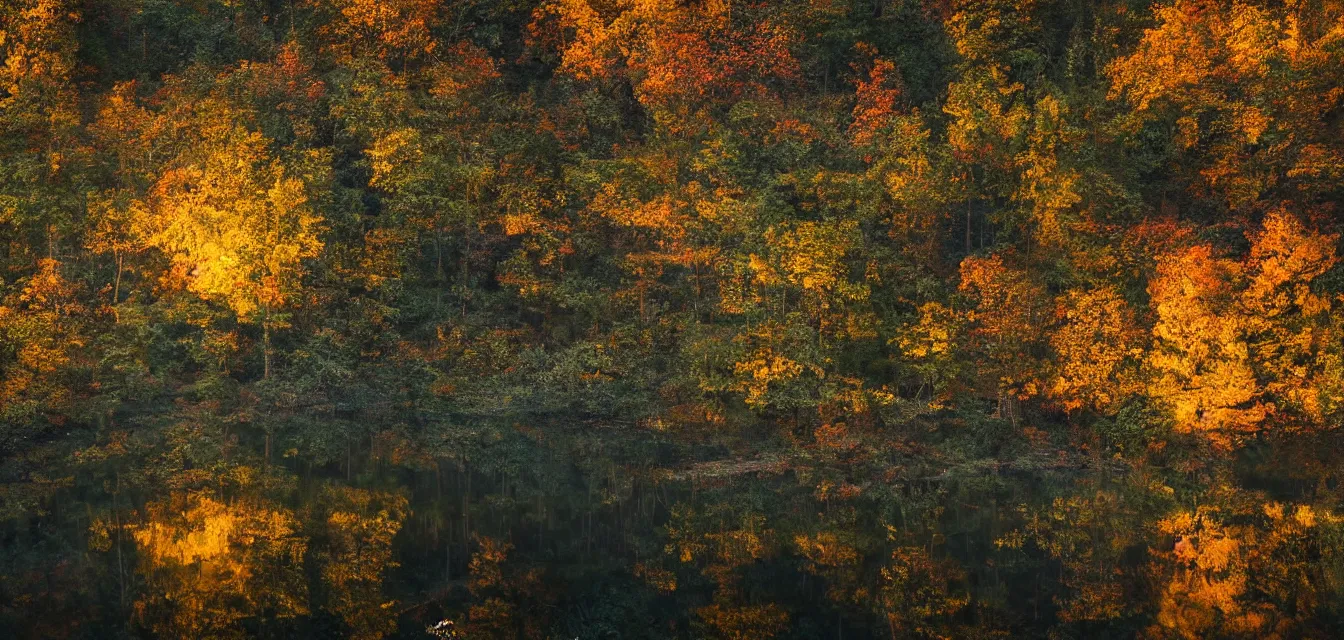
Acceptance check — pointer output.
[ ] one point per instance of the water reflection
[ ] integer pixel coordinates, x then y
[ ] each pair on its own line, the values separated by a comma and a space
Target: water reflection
550, 544
209, 564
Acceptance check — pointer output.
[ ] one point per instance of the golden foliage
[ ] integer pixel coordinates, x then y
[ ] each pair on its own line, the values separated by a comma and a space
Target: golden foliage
811, 255
385, 29
1200, 361
42, 336
680, 57
1006, 321
915, 595
1097, 341
1220, 561
1238, 341
37, 60
1289, 325
233, 219
361, 525
211, 564
1049, 186
1234, 75
826, 555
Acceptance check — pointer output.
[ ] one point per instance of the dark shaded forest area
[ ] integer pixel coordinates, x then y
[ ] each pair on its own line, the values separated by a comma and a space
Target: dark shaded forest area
671, 318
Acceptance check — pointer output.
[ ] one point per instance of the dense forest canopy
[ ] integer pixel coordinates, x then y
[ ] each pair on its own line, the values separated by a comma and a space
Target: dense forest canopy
671, 318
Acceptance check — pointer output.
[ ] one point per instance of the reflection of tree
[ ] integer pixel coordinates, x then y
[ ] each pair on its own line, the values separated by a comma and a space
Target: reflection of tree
1230, 574
511, 602
1087, 534
915, 595
210, 564
723, 555
360, 527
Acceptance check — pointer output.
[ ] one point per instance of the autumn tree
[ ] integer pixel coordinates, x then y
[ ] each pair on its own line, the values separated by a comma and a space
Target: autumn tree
43, 352
1098, 345
1242, 88
1006, 318
1200, 361
234, 222
39, 119
1288, 326
680, 59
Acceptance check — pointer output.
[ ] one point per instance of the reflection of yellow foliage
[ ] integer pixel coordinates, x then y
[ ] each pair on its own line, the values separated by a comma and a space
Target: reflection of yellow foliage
485, 564
915, 597
493, 616
837, 561
825, 550
360, 526
1220, 572
210, 565
723, 552
747, 622
1086, 534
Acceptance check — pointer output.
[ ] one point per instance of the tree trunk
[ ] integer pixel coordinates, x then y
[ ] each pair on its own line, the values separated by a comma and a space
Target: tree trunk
968, 226
266, 347
116, 283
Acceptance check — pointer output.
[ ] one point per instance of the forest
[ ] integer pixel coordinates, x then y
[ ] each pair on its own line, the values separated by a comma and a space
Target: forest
723, 319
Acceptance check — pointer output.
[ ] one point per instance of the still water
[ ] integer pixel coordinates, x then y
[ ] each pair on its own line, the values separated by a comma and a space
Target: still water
610, 532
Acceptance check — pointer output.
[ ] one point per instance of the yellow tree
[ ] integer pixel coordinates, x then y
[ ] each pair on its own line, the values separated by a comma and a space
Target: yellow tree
1289, 325
930, 345
988, 105
1096, 343
234, 221
722, 556
42, 335
1247, 87
1239, 340
1200, 362
1005, 326
1049, 188
39, 120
